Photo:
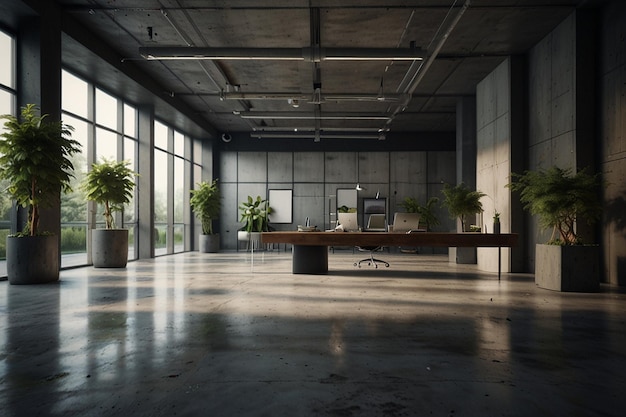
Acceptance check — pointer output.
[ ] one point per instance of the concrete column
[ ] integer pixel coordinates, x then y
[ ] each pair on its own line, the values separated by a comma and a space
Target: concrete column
39, 82
145, 184
518, 158
465, 166
466, 141
587, 147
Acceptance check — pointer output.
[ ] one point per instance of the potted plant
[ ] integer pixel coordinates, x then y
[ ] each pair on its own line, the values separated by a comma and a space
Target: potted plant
254, 215
496, 222
561, 199
205, 203
111, 184
462, 202
426, 213
35, 161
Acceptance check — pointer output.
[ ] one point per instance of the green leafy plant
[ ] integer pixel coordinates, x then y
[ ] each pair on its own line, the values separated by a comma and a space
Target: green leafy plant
559, 198
426, 212
462, 202
205, 203
254, 213
346, 209
35, 161
110, 183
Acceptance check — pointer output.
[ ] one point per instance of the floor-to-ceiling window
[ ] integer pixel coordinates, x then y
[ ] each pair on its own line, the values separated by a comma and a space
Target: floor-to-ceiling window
78, 113
7, 106
161, 187
170, 205
107, 129
179, 191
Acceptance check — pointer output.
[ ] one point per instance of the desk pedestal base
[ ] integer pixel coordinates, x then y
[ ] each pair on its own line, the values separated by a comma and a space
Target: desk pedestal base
310, 259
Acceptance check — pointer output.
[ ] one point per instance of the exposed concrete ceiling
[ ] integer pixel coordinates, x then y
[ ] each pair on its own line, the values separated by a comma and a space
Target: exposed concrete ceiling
460, 41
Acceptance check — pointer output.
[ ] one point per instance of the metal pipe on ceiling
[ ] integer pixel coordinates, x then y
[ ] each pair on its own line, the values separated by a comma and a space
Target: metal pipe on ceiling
410, 87
313, 135
287, 115
309, 54
238, 95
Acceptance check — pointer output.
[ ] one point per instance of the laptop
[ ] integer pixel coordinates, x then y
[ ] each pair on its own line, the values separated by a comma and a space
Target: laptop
406, 222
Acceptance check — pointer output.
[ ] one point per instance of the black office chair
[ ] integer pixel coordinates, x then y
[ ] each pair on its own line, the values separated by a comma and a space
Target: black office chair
375, 223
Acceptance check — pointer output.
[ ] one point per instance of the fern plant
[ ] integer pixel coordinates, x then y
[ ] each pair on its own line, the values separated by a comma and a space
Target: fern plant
35, 161
427, 216
462, 202
110, 183
559, 198
205, 203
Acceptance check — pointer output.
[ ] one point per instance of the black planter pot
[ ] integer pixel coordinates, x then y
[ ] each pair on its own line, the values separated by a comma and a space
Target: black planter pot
33, 259
109, 248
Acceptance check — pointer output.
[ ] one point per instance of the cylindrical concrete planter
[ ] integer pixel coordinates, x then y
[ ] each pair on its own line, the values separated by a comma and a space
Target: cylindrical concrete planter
33, 259
109, 248
209, 243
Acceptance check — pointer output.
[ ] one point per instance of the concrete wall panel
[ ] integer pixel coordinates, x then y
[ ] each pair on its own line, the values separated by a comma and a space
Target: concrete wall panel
441, 167
307, 166
613, 134
373, 167
563, 110
563, 147
408, 167
563, 57
485, 143
252, 167
540, 93
540, 155
228, 167
493, 161
229, 216
503, 95
280, 167
502, 139
309, 201
340, 167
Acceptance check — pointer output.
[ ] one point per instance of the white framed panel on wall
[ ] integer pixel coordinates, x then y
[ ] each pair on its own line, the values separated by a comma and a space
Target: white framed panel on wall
281, 202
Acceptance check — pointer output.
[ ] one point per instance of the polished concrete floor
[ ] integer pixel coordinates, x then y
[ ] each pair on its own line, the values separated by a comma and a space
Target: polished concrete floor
227, 335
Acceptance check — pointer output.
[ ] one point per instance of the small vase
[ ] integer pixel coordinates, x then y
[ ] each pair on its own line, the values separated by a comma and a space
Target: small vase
496, 228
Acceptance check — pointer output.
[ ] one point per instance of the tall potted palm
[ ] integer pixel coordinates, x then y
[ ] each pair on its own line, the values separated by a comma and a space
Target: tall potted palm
205, 203
562, 198
35, 160
109, 183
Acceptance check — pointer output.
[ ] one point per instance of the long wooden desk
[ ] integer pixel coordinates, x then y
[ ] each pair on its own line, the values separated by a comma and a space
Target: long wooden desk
310, 249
